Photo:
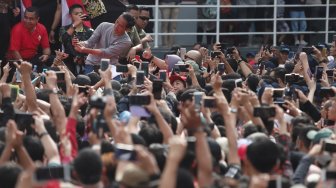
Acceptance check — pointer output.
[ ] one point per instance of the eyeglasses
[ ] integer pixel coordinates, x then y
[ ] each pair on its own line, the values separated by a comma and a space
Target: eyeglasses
144, 18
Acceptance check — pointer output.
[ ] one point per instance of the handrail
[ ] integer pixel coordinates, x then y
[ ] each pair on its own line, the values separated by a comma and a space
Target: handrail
218, 20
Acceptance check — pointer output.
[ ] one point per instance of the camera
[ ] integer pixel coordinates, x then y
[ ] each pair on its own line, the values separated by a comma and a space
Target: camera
264, 112
291, 93
97, 102
278, 93
330, 73
230, 50
83, 89
163, 75
239, 83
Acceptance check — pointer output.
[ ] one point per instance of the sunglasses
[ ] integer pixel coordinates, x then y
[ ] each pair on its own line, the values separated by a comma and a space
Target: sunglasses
144, 18
187, 57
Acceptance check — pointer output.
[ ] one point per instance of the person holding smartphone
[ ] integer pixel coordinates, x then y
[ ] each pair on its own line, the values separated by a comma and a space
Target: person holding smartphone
75, 61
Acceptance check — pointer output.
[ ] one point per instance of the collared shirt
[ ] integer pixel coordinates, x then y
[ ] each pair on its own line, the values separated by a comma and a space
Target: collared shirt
113, 46
26, 42
142, 34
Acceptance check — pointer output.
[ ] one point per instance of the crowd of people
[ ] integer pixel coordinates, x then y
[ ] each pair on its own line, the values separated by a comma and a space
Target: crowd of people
107, 112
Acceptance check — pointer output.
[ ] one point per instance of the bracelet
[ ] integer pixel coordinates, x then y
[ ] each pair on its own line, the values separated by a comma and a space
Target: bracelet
43, 134
239, 61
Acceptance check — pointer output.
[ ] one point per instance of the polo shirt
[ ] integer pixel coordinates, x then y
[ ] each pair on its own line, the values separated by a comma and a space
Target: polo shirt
26, 42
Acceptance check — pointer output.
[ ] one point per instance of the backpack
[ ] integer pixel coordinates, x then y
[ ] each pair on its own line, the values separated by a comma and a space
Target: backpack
210, 12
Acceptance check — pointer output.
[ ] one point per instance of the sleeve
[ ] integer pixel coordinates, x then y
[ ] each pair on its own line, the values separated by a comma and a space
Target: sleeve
66, 40
118, 49
94, 37
311, 110
15, 44
71, 130
45, 38
136, 39
302, 170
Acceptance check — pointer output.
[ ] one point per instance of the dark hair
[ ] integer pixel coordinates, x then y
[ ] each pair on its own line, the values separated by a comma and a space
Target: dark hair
130, 20
184, 179
280, 72
74, 6
33, 9
263, 155
9, 173
151, 135
303, 135
88, 166
132, 7
143, 9
252, 82
297, 123
34, 147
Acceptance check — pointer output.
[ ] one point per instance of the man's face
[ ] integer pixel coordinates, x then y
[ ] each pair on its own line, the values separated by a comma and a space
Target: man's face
30, 20
143, 19
120, 26
333, 49
283, 57
332, 111
178, 85
76, 13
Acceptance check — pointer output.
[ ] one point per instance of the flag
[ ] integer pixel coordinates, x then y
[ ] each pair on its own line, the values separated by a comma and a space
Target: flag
25, 4
66, 20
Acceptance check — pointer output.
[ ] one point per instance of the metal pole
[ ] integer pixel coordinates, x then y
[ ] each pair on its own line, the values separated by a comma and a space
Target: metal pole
156, 25
275, 23
327, 21
218, 21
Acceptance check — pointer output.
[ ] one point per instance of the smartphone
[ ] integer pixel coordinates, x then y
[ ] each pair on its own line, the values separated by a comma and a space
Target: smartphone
261, 68
239, 83
139, 100
198, 100
334, 37
44, 174
221, 68
291, 55
163, 75
182, 67
307, 50
278, 93
157, 88
125, 152
83, 89
230, 50
18, 76
327, 92
60, 76
329, 146
209, 102
104, 64
140, 78
144, 67
14, 92
215, 54
330, 73
318, 73
122, 68
100, 126
264, 112
85, 17
11, 63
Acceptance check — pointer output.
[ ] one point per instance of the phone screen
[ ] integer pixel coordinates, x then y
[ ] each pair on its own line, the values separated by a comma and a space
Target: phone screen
157, 89
163, 75
140, 78
318, 73
104, 63
144, 67
43, 174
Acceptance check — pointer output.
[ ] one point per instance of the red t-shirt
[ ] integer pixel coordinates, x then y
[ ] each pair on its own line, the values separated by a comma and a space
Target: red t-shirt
27, 42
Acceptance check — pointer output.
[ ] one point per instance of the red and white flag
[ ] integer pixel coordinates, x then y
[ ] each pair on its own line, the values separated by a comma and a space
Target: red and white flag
66, 20
25, 4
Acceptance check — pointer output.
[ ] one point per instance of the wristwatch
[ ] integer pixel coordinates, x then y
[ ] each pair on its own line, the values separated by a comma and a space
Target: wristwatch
52, 91
233, 110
